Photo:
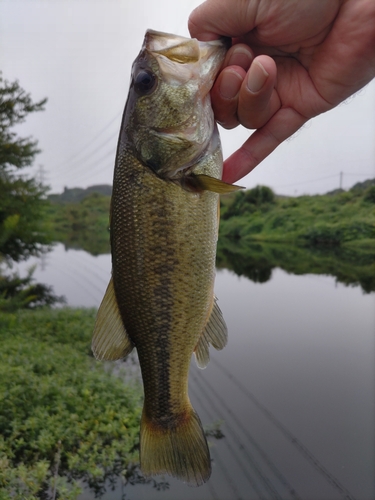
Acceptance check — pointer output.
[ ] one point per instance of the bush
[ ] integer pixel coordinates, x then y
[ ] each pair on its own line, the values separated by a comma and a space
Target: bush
369, 194
259, 195
23, 293
336, 234
63, 418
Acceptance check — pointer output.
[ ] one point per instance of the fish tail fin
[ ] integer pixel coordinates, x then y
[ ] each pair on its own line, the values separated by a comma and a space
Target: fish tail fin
180, 449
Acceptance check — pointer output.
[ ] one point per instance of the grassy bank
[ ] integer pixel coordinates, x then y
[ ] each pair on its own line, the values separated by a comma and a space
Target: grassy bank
63, 417
338, 219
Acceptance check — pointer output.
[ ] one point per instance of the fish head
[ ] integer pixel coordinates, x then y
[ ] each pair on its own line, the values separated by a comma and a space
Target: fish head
168, 120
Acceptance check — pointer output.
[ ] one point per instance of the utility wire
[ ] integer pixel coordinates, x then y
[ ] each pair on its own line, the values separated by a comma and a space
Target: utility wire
217, 459
291, 437
71, 165
78, 153
322, 178
308, 181
206, 393
89, 171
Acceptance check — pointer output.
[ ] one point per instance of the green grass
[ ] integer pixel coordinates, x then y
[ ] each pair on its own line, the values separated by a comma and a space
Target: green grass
309, 221
63, 417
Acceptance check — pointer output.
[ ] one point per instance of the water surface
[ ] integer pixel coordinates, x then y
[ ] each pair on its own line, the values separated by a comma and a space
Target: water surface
294, 389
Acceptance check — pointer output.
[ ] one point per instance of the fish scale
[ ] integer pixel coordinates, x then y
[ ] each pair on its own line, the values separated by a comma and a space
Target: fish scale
161, 294
164, 227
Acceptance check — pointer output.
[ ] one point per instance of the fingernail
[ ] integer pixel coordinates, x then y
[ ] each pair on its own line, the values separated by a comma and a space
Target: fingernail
230, 84
241, 58
257, 77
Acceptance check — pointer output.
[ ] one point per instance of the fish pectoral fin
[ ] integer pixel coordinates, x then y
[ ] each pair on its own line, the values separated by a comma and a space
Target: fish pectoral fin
202, 182
215, 333
110, 340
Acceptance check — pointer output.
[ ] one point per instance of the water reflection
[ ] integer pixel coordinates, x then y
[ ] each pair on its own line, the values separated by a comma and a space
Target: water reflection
350, 265
294, 388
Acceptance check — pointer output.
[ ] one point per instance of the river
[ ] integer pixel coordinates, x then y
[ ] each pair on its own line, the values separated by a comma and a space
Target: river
294, 390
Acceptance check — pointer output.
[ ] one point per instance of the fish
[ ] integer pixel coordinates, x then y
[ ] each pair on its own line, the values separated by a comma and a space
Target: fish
163, 232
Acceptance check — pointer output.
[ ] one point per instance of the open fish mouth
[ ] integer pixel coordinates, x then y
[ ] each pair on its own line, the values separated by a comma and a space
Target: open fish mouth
184, 63
187, 52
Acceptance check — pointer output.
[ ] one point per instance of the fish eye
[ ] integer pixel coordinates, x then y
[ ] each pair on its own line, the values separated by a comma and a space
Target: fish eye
145, 82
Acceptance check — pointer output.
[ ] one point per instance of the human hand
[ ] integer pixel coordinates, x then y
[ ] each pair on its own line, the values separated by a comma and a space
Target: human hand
290, 61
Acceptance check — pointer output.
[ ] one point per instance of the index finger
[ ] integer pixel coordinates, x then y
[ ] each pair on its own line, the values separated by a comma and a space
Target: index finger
284, 123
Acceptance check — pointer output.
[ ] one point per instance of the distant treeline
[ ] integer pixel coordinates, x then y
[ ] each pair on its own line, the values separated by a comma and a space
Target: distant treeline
80, 217
75, 195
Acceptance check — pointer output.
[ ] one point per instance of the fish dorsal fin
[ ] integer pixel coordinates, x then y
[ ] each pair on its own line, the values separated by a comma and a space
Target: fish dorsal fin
215, 333
110, 340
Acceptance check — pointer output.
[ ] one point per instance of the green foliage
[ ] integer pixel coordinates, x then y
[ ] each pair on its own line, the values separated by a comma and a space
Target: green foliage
15, 105
259, 195
82, 225
63, 418
336, 234
248, 202
369, 194
23, 210
22, 202
23, 293
313, 221
76, 195
253, 215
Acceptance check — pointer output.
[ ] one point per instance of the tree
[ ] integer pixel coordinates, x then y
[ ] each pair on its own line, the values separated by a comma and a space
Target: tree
22, 199
23, 206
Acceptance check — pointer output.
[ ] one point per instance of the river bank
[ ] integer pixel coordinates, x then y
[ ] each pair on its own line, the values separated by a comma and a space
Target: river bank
64, 419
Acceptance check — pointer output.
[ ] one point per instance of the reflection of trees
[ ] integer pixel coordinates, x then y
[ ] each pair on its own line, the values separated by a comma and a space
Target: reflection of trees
118, 476
95, 243
254, 266
350, 265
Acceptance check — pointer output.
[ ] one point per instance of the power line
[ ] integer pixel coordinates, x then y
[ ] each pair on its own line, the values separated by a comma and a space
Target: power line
331, 176
291, 437
88, 168
309, 181
71, 158
267, 485
71, 164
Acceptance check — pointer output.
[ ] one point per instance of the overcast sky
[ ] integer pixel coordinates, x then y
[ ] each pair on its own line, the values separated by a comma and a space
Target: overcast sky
78, 53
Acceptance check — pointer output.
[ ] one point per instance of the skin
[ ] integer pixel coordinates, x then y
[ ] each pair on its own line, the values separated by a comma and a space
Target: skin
290, 61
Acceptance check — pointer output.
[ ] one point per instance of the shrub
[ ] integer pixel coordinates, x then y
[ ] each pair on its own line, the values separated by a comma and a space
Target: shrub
369, 194
259, 195
63, 418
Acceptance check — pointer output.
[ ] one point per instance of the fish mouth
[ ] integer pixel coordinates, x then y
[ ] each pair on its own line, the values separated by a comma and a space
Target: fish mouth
175, 148
195, 59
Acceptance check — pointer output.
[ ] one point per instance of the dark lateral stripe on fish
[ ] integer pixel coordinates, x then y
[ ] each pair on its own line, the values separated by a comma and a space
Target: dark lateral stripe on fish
156, 384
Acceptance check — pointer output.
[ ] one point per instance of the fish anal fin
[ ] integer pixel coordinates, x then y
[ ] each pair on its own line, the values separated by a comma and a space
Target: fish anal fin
180, 450
215, 333
110, 340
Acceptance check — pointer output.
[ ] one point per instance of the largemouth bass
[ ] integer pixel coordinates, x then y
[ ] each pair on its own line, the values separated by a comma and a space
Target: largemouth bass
164, 227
